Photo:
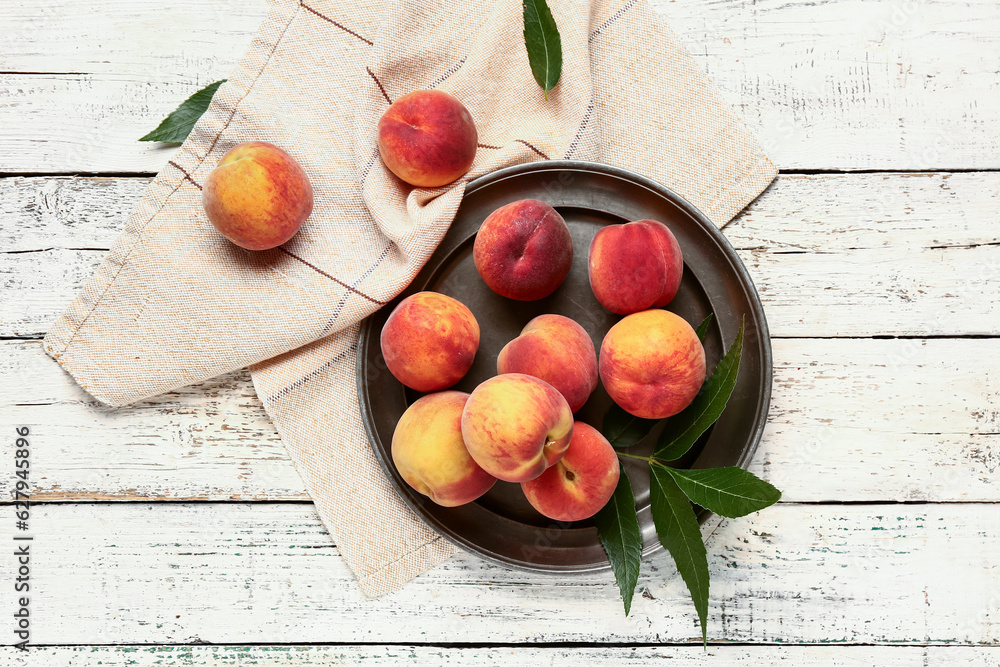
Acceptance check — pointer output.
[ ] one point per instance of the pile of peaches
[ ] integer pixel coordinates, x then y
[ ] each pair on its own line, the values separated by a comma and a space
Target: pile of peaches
518, 426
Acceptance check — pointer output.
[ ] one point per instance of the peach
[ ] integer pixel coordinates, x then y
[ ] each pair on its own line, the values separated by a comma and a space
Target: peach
581, 482
429, 452
652, 364
515, 426
523, 250
430, 341
258, 196
635, 266
427, 138
556, 349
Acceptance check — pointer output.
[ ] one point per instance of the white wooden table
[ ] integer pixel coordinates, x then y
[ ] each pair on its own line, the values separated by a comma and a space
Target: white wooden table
176, 531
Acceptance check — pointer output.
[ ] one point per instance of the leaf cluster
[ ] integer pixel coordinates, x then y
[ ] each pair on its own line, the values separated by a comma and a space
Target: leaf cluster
675, 493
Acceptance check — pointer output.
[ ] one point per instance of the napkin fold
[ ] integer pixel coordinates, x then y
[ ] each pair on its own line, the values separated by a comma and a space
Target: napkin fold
175, 303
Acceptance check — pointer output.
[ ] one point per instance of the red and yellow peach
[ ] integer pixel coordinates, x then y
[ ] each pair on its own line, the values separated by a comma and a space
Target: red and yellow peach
581, 482
258, 196
427, 138
429, 453
635, 266
523, 250
515, 426
556, 349
429, 341
652, 364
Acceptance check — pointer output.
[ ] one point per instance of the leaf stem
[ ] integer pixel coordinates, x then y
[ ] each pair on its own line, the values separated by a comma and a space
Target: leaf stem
648, 459
633, 456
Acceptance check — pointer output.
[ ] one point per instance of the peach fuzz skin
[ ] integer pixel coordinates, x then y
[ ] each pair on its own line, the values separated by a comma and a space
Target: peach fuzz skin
652, 364
523, 250
515, 426
429, 452
581, 482
258, 196
427, 138
556, 349
635, 266
429, 341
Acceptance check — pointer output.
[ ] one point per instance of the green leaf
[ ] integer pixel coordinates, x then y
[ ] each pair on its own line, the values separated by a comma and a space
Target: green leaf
176, 126
702, 329
623, 429
618, 530
730, 492
541, 38
677, 528
684, 428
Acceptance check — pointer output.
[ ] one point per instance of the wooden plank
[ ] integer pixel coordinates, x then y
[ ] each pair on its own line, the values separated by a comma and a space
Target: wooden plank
268, 573
105, 72
853, 84
831, 255
208, 441
898, 420
643, 656
112, 36
923, 256
845, 84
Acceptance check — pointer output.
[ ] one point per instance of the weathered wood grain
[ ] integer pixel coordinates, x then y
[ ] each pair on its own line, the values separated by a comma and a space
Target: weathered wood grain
911, 419
832, 255
827, 84
850, 420
323, 656
112, 36
269, 573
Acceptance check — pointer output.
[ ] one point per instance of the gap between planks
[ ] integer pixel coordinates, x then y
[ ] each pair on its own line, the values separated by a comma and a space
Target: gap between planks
512, 645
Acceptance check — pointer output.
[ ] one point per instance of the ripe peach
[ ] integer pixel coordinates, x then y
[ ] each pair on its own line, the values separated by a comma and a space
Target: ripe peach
430, 341
515, 426
652, 364
581, 482
430, 455
427, 138
556, 349
258, 196
523, 250
635, 266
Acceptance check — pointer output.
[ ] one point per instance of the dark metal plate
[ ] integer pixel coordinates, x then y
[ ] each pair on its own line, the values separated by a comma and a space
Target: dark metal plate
502, 526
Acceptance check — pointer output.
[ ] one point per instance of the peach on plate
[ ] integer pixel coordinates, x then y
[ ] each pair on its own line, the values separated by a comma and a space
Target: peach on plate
581, 482
652, 364
556, 349
515, 426
635, 266
427, 138
430, 341
429, 453
523, 250
258, 196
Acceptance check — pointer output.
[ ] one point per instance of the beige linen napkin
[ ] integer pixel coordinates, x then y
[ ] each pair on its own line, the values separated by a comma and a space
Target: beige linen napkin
175, 303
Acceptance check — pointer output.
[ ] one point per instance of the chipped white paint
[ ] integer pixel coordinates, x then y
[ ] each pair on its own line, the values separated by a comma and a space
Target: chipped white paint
897, 420
327, 656
825, 84
268, 573
832, 255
